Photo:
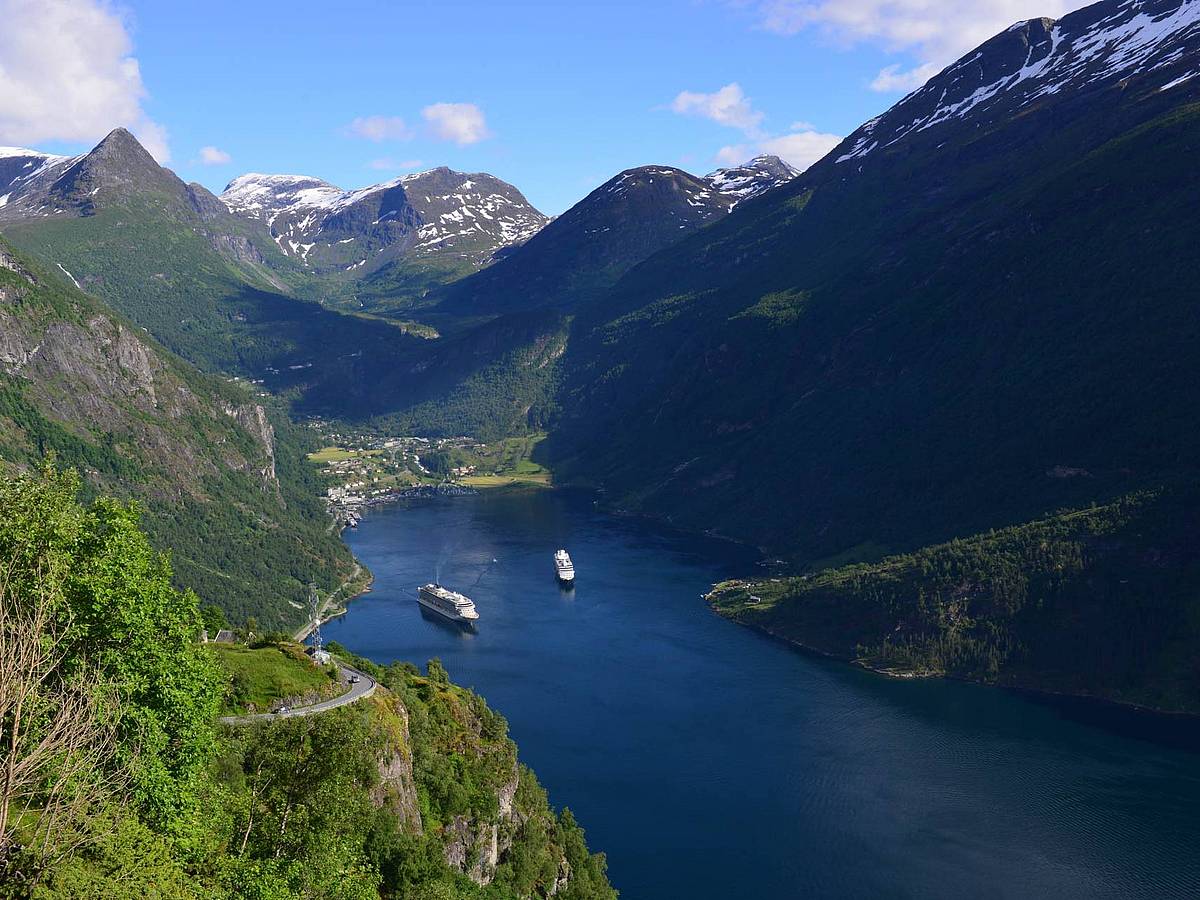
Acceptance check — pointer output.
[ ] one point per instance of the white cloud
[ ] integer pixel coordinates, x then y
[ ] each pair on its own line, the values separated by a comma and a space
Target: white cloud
387, 164
381, 128
462, 123
734, 155
934, 32
800, 149
212, 156
67, 73
894, 79
727, 106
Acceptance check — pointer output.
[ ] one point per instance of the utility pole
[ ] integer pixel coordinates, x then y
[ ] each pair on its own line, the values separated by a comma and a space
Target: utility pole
314, 609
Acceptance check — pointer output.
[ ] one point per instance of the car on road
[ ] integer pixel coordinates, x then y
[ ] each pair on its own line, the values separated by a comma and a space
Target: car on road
354, 679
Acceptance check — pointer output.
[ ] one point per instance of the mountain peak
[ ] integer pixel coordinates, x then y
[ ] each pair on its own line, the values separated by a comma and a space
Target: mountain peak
419, 213
1042, 61
120, 146
118, 168
118, 135
751, 178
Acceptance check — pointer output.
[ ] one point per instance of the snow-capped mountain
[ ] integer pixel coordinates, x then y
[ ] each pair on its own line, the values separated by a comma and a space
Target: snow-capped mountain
22, 172
752, 178
631, 216
1044, 61
36, 185
712, 195
434, 213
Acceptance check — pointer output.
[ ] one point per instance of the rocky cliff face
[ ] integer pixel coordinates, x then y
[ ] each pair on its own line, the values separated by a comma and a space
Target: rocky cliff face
198, 453
95, 374
483, 814
397, 789
253, 418
475, 847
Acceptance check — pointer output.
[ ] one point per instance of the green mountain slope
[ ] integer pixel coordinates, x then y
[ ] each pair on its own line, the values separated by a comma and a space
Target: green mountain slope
212, 287
583, 252
985, 320
1099, 601
223, 480
121, 784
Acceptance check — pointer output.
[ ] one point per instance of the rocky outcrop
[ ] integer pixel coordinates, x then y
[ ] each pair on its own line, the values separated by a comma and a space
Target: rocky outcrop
477, 848
206, 204
253, 418
8, 262
237, 248
397, 789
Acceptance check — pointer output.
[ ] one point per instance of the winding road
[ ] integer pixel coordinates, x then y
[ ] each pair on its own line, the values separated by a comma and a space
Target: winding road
364, 687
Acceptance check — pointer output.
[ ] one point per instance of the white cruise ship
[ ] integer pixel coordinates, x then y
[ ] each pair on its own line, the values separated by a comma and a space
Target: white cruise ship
563, 566
451, 604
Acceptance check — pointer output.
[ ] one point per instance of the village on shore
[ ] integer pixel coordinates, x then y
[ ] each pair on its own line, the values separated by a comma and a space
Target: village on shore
365, 469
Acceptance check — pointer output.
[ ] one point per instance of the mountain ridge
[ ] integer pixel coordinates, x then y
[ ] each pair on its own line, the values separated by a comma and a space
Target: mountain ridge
438, 211
811, 280
584, 251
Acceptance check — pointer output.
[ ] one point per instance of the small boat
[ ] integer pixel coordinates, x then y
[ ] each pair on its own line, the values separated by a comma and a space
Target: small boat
454, 606
564, 567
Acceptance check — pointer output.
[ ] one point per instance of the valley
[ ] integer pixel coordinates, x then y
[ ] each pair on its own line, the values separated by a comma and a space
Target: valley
919, 415
695, 347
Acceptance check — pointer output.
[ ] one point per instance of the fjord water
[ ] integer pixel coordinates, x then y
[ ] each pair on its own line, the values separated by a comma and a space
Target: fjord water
709, 761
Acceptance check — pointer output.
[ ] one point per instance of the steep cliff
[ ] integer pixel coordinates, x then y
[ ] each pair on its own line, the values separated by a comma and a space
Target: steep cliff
449, 775
201, 454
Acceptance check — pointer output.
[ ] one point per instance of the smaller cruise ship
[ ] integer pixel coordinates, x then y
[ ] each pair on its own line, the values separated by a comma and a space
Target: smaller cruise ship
564, 567
454, 606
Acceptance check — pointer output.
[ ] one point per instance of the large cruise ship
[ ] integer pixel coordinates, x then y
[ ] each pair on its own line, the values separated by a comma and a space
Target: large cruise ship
563, 566
451, 604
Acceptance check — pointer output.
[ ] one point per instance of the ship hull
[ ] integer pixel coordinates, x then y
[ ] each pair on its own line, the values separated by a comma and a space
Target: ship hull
441, 620
432, 604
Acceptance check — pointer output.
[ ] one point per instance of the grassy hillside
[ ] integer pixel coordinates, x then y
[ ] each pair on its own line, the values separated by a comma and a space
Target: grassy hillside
261, 678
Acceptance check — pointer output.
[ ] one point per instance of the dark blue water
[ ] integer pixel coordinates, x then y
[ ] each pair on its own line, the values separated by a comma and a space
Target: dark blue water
708, 761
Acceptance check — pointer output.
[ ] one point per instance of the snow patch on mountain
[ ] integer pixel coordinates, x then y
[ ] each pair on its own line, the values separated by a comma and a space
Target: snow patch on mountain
1040, 58
419, 213
751, 179
24, 174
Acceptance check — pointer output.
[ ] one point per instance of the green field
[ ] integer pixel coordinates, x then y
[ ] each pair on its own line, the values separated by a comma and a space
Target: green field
257, 679
492, 481
337, 454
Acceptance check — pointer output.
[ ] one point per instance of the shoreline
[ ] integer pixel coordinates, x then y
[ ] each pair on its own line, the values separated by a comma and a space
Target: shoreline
328, 611
1100, 703
1189, 720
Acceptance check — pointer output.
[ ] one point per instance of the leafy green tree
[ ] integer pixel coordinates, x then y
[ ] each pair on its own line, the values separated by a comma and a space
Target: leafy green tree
306, 782
213, 618
126, 623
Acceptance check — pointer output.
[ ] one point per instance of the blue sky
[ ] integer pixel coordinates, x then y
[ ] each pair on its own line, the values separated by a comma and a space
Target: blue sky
553, 97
